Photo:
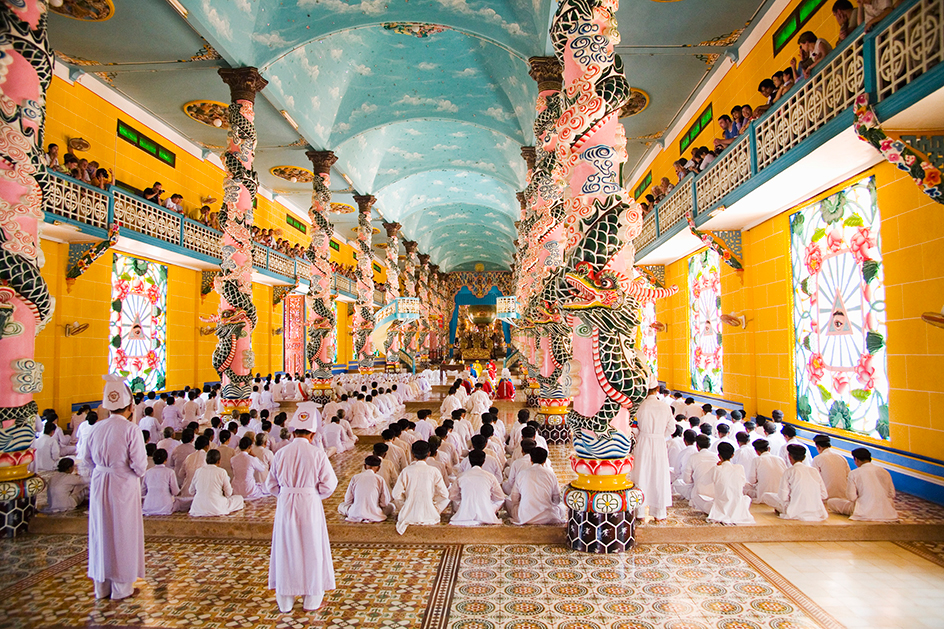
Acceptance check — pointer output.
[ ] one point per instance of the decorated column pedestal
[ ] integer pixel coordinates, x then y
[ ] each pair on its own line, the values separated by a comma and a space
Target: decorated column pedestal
18, 503
552, 415
601, 506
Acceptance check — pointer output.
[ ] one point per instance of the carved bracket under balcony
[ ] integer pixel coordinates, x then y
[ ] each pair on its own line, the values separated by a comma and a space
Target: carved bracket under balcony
279, 292
82, 256
206, 282
654, 272
726, 244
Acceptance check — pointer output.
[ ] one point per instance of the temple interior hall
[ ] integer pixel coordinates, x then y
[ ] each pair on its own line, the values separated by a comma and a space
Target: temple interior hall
472, 314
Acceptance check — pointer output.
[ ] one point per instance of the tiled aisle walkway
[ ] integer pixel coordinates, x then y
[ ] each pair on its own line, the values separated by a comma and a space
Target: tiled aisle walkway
203, 583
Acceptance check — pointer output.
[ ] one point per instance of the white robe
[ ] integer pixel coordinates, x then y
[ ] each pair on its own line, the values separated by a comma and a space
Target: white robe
425, 429
300, 564
651, 459
152, 426
160, 491
213, 493
696, 484
801, 495
117, 461
175, 461
420, 496
367, 498
491, 465
448, 405
744, 456
535, 498
65, 492
333, 436
45, 454
834, 469
246, 469
730, 505
764, 476
192, 463
476, 497
871, 495
477, 404
683, 456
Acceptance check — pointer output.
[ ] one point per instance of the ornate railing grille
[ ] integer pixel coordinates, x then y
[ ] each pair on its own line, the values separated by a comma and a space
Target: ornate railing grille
908, 48
147, 218
259, 256
724, 174
201, 239
648, 233
281, 264
820, 98
80, 203
675, 207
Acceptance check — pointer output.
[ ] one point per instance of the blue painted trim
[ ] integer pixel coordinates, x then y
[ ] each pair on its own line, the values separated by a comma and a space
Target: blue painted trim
925, 85
85, 228
752, 133
715, 402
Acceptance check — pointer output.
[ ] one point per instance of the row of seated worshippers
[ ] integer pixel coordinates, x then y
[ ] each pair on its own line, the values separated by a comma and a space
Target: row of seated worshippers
722, 464
420, 468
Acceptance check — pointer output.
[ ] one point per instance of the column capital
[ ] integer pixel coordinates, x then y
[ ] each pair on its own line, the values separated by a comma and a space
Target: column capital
393, 229
529, 155
244, 83
410, 246
547, 72
321, 161
365, 201
424, 259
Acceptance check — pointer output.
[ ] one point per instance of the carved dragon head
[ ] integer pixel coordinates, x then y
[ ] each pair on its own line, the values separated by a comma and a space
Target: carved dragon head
591, 289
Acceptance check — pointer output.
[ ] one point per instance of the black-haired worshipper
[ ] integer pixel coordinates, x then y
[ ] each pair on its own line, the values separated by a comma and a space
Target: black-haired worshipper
367, 498
212, 491
420, 494
476, 495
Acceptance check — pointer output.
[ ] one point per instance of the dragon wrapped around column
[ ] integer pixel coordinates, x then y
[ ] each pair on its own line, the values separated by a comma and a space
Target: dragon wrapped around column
25, 303
422, 292
392, 342
233, 358
599, 222
364, 274
322, 319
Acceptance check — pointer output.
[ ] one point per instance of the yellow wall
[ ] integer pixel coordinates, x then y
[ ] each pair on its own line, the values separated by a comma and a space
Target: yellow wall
758, 368
74, 365
345, 336
739, 87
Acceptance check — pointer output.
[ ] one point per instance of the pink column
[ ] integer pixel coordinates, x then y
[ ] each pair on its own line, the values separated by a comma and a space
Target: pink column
392, 344
323, 320
233, 358
364, 308
25, 303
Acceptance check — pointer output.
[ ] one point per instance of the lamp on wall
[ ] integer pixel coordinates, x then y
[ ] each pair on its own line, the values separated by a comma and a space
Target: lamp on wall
276, 331
76, 328
207, 330
658, 326
78, 144
735, 320
934, 318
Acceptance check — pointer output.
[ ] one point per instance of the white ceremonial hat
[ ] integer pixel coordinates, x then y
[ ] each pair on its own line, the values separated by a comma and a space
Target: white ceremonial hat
304, 417
653, 381
117, 395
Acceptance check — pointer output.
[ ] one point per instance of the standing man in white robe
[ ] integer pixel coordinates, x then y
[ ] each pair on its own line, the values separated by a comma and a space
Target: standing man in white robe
476, 495
802, 491
420, 494
651, 467
730, 505
300, 564
870, 491
117, 461
367, 498
832, 466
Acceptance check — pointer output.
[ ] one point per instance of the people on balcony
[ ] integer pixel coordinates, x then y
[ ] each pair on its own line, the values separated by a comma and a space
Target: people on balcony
812, 50
51, 158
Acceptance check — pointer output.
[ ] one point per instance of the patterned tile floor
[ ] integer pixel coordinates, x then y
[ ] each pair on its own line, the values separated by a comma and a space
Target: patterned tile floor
201, 583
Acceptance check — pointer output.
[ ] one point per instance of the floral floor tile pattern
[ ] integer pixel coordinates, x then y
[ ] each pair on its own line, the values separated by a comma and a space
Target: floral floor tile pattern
202, 583
664, 585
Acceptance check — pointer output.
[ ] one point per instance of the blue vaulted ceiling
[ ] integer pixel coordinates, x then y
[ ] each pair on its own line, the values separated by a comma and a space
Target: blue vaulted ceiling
426, 103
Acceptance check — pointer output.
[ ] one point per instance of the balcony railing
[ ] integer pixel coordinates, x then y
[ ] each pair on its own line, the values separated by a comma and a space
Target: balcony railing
70, 200
897, 64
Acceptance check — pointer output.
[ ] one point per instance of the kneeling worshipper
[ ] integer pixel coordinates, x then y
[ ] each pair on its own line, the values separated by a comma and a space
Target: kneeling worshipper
116, 460
506, 389
161, 489
246, 469
332, 436
420, 494
535, 498
65, 489
832, 466
802, 490
765, 472
870, 491
300, 562
212, 491
696, 482
476, 495
730, 505
367, 498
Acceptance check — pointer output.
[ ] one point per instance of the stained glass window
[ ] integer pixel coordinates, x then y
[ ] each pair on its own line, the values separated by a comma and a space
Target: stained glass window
704, 283
839, 312
137, 348
649, 349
